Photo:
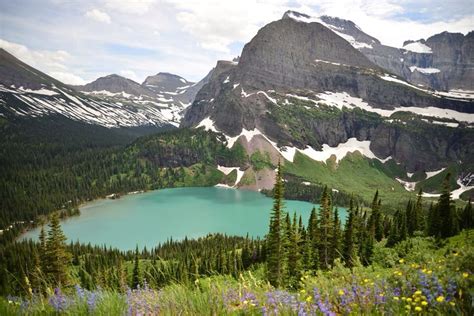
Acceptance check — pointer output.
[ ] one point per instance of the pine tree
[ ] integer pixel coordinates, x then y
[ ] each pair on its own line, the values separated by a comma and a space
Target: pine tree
43, 251
418, 213
446, 211
349, 250
312, 255
57, 257
467, 216
376, 217
294, 254
276, 235
136, 271
325, 230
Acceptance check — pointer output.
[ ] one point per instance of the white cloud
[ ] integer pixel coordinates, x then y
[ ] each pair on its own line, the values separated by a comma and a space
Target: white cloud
99, 16
67, 77
51, 62
384, 19
130, 74
130, 6
215, 24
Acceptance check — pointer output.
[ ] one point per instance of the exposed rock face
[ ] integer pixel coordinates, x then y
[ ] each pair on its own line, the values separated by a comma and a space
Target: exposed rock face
446, 63
115, 84
291, 57
14, 72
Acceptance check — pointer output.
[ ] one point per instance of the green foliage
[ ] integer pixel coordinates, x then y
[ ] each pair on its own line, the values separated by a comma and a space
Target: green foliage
261, 160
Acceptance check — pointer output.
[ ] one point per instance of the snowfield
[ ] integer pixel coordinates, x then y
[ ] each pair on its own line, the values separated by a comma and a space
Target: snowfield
418, 47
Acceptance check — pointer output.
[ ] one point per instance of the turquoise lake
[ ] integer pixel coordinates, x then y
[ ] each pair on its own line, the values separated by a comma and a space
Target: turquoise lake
150, 218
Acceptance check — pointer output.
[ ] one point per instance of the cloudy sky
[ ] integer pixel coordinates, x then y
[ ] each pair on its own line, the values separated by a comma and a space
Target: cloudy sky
77, 41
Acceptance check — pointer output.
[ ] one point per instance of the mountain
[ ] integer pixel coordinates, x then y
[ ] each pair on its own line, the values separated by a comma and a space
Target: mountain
444, 61
167, 93
309, 96
110, 101
115, 84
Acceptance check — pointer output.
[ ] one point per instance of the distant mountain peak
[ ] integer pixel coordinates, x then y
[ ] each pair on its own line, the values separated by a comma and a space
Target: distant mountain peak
290, 14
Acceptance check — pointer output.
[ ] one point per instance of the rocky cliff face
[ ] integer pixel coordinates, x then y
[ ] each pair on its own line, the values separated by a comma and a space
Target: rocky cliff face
115, 84
299, 86
442, 62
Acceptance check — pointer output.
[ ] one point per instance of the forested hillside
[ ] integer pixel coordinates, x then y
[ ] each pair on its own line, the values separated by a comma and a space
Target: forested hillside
52, 164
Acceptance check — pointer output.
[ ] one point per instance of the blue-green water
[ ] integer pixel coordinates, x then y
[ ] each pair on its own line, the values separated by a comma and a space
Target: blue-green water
149, 218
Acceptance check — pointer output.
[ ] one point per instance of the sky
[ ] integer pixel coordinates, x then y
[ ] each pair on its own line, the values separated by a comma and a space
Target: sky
78, 41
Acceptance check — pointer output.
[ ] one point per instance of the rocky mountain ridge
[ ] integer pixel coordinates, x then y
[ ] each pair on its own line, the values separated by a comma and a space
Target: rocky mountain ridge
299, 88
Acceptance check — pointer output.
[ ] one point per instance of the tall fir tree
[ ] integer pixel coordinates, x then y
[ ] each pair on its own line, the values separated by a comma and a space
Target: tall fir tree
349, 249
276, 235
446, 211
136, 271
313, 240
467, 216
325, 230
57, 257
419, 215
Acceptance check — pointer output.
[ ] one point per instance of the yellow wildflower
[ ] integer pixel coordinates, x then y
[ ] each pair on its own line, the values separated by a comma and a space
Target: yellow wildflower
417, 293
341, 292
401, 260
429, 272
246, 302
465, 275
452, 303
404, 298
417, 299
418, 309
424, 303
396, 298
423, 270
381, 295
409, 299
408, 307
366, 280
440, 299
455, 254
309, 299
303, 291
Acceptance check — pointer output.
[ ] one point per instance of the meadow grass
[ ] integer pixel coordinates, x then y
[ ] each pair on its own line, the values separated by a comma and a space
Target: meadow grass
419, 276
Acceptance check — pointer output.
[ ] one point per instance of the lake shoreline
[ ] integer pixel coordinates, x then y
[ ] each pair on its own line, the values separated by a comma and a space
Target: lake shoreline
191, 213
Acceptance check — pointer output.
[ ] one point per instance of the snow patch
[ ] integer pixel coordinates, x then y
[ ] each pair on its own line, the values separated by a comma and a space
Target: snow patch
341, 150
41, 91
268, 97
418, 47
226, 80
427, 71
409, 186
208, 124
227, 171
456, 194
430, 174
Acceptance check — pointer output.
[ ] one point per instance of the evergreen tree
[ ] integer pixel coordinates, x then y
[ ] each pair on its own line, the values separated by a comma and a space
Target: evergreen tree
418, 213
336, 237
294, 254
43, 251
136, 271
376, 217
57, 257
467, 217
325, 230
313, 241
276, 235
446, 211
349, 250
